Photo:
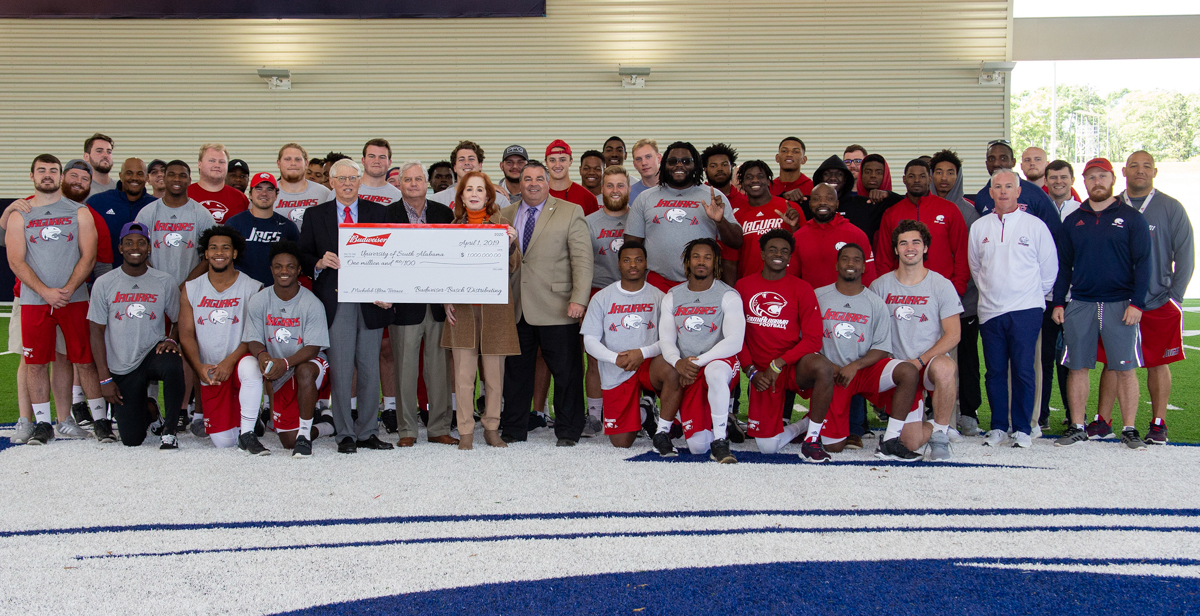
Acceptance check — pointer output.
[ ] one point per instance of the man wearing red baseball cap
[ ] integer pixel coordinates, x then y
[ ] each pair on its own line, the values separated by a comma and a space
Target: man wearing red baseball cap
1104, 261
261, 227
558, 167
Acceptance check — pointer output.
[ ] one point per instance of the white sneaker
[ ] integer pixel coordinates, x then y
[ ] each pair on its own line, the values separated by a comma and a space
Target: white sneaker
592, 426
1035, 431
995, 438
1022, 440
23, 430
69, 429
955, 436
968, 426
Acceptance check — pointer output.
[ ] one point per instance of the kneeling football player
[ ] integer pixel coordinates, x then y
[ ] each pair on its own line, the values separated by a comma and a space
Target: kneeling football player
858, 340
782, 348
620, 330
700, 335
286, 331
924, 307
212, 313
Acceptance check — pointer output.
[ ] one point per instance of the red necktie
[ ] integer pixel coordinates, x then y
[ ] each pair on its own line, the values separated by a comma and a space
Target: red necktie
348, 220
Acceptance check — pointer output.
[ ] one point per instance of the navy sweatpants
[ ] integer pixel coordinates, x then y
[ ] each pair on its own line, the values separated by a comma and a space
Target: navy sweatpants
1008, 344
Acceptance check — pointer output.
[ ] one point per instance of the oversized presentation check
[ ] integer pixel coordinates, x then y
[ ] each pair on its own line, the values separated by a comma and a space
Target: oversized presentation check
423, 264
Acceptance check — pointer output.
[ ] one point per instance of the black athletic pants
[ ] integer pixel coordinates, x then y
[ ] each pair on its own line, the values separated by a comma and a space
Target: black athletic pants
131, 416
1051, 335
563, 352
970, 397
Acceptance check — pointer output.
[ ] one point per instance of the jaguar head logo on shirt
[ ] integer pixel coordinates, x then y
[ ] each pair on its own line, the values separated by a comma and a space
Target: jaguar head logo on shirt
632, 321
676, 215
220, 317
767, 304
135, 311
940, 219
173, 239
51, 234
217, 209
693, 323
843, 330
839, 245
905, 313
616, 244
282, 335
297, 216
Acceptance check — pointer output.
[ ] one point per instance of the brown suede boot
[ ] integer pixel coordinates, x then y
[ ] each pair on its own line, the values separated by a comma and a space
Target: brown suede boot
464, 441
493, 438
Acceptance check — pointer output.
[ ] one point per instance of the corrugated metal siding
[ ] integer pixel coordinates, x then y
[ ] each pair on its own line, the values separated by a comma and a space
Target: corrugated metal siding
898, 76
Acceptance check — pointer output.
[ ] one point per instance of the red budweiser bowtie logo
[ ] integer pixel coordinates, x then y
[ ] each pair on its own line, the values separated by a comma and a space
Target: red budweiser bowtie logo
374, 240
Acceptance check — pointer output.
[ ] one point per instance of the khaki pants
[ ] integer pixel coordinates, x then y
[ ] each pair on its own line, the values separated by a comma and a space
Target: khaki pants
406, 355
465, 361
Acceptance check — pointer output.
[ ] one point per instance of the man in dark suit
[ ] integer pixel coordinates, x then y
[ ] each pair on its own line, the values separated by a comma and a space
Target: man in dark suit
356, 328
415, 323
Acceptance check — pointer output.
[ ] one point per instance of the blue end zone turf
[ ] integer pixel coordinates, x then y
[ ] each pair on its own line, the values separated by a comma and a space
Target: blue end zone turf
868, 588
754, 457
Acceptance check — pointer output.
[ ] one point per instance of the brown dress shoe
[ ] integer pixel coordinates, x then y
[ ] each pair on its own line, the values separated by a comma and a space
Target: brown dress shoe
406, 441
465, 441
493, 438
854, 441
444, 439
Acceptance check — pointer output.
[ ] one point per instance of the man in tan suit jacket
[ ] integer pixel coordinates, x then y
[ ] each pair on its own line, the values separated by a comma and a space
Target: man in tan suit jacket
550, 290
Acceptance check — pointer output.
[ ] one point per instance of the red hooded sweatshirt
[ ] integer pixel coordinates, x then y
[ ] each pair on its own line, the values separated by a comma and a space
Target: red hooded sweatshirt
817, 244
948, 238
804, 183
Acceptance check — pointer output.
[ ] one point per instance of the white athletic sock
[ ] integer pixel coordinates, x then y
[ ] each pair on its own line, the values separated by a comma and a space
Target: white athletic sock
893, 428
389, 403
453, 402
937, 427
305, 428
664, 425
546, 410
1128, 428
250, 395
595, 407
718, 375
41, 412
813, 431
354, 402
325, 429
198, 417
266, 400
77, 395
98, 407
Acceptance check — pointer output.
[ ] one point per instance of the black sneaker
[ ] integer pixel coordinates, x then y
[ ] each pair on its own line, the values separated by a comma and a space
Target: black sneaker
303, 448
42, 433
536, 420
1157, 434
156, 428
1132, 439
82, 414
719, 452
676, 430
480, 405
388, 418
734, 430
896, 451
260, 425
662, 444
1071, 436
184, 422
104, 431
249, 443
169, 443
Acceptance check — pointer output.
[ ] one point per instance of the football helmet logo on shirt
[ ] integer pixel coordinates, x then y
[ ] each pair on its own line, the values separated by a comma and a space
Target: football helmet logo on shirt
693, 323
219, 317
844, 330
135, 311
51, 234
173, 239
940, 219
282, 335
767, 304
632, 321
905, 313
676, 215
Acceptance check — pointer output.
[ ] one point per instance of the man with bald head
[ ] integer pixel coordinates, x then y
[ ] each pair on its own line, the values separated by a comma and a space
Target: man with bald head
1033, 164
122, 205
1172, 261
1031, 197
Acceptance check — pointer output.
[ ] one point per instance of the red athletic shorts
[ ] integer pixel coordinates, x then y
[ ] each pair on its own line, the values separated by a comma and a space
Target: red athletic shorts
1162, 336
661, 283
222, 408
866, 383
285, 412
765, 418
694, 412
38, 336
622, 404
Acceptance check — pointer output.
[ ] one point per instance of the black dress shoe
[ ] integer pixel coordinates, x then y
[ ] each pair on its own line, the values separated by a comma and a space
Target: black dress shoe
510, 439
388, 419
347, 445
565, 442
375, 443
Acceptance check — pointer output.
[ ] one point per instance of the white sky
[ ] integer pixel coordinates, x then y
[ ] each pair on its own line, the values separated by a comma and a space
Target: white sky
1095, 8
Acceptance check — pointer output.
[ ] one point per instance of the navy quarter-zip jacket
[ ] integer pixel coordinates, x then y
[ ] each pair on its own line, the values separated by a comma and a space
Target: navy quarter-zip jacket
1105, 256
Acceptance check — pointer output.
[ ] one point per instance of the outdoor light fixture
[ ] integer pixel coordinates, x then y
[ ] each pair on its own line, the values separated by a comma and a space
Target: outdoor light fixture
276, 78
633, 76
992, 73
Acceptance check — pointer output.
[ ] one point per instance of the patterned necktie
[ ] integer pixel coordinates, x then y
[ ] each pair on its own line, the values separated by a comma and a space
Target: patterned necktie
348, 220
530, 222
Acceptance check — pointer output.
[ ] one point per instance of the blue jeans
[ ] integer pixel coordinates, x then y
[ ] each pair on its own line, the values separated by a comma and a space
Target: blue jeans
1008, 344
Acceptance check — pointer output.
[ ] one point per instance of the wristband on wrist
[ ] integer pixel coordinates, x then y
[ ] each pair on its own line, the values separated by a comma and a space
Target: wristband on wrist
286, 365
261, 353
751, 372
106, 381
921, 360
773, 368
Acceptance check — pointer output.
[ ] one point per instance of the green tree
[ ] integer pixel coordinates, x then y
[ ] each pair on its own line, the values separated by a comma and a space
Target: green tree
1031, 116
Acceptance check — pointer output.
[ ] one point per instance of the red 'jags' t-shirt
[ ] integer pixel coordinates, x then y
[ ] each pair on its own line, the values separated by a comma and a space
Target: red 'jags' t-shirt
756, 221
223, 204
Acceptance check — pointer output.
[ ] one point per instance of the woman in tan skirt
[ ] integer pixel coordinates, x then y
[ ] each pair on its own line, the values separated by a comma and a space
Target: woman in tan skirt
473, 330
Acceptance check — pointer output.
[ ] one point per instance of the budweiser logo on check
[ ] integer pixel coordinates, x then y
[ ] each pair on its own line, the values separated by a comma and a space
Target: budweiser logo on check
374, 240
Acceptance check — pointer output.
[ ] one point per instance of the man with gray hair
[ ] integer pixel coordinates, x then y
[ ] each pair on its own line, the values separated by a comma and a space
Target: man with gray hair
415, 323
357, 328
1014, 263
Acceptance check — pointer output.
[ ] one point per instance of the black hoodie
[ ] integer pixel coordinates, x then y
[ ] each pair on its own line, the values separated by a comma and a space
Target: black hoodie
855, 208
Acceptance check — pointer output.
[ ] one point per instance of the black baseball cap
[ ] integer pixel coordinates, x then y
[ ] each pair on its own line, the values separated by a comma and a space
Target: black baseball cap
238, 163
158, 162
515, 150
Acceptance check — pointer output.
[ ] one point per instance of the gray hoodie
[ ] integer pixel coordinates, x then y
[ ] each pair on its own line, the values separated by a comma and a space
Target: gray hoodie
970, 298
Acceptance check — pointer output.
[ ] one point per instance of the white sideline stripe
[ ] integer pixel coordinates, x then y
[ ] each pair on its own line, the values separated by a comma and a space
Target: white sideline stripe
1191, 332
1188, 346
1177, 571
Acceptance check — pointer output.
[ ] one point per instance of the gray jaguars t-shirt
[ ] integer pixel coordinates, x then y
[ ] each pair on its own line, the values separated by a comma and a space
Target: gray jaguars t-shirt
622, 321
854, 324
286, 327
220, 315
668, 218
699, 317
52, 248
608, 235
383, 195
292, 205
174, 233
134, 310
917, 311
